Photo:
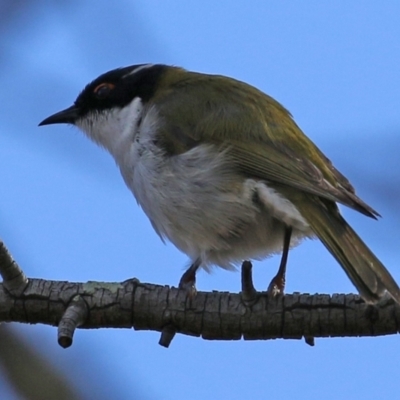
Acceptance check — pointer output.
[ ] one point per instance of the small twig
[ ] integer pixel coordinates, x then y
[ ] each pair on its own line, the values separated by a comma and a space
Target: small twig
310, 340
167, 334
75, 315
249, 294
14, 279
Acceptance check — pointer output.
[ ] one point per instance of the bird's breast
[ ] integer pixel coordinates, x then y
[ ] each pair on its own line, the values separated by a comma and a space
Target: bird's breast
198, 201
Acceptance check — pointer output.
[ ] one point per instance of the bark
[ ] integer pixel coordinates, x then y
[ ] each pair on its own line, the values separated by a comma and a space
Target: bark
214, 316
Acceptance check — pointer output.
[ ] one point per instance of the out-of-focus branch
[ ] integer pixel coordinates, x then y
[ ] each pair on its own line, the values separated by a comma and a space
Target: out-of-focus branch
30, 374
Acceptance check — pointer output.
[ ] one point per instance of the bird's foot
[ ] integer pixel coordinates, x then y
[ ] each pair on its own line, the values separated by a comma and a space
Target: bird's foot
188, 281
276, 286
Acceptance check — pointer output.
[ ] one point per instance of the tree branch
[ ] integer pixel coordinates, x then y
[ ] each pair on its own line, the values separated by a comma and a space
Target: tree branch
214, 316
30, 373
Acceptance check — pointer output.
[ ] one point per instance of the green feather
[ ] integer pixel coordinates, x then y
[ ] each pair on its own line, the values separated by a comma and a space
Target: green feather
263, 142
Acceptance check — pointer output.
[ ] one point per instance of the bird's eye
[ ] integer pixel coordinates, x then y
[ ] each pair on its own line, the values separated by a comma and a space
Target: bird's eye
103, 90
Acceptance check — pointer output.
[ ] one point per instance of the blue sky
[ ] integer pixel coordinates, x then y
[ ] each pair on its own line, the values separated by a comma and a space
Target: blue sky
66, 214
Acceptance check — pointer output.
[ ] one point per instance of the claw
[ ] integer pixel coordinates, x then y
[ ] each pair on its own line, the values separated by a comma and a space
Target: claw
276, 286
188, 280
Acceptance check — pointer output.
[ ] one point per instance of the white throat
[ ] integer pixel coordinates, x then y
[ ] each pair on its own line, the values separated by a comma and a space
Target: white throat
113, 129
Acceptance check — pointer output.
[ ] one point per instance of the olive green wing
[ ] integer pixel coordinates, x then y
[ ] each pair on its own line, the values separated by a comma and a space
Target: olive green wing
257, 133
288, 168
264, 142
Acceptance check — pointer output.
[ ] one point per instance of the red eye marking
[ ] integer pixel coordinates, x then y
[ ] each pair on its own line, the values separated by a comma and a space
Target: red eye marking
103, 90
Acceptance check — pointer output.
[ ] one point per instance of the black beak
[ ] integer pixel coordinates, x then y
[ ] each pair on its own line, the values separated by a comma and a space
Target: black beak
67, 116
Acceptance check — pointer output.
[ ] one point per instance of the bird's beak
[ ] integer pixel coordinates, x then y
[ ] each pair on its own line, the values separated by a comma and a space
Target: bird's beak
67, 116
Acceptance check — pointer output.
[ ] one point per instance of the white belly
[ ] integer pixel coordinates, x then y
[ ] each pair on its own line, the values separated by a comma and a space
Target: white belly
209, 212
195, 199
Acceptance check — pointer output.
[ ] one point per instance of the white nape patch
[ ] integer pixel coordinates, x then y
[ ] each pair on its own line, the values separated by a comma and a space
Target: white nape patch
281, 208
138, 69
113, 128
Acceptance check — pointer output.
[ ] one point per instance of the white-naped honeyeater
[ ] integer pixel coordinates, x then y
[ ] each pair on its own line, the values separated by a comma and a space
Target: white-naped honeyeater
223, 171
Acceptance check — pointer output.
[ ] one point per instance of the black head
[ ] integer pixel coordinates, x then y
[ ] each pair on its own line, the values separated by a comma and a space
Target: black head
116, 88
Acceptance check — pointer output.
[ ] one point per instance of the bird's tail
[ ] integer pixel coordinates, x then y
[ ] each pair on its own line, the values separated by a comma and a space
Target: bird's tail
363, 268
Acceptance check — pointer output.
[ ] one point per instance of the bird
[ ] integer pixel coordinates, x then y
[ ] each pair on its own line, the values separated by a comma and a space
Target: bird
223, 172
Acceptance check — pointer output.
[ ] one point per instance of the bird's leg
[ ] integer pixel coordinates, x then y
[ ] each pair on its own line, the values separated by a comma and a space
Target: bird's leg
277, 285
188, 279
